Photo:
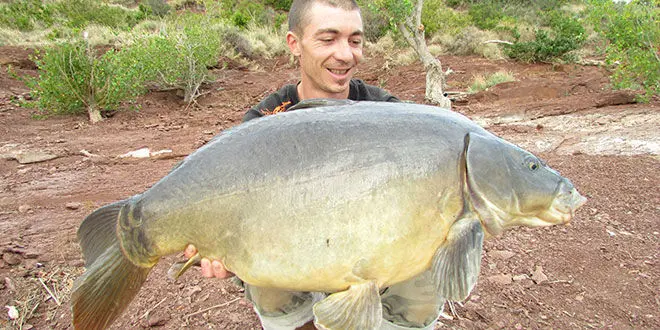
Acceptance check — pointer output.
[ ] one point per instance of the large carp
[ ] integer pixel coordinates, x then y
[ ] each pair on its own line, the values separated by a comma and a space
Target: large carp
344, 198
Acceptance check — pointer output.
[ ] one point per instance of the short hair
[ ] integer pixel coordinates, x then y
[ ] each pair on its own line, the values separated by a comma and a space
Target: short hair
298, 14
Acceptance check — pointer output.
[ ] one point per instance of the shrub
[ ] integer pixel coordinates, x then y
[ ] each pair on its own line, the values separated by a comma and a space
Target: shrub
265, 41
237, 41
485, 15
633, 35
566, 34
482, 82
22, 15
437, 18
470, 41
80, 13
192, 44
375, 22
74, 78
284, 5
158, 8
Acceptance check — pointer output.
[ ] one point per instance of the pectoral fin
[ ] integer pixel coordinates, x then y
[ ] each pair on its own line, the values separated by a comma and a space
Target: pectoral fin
357, 308
457, 262
178, 268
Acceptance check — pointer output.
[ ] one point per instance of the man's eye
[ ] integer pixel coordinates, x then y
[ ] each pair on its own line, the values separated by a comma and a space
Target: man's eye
357, 42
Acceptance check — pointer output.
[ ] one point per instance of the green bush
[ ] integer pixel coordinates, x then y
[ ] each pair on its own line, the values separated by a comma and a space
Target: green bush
566, 34
437, 18
243, 12
22, 15
191, 43
633, 35
80, 13
158, 8
485, 15
284, 5
73, 79
375, 21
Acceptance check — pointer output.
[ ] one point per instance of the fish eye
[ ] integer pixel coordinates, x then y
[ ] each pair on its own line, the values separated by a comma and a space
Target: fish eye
532, 163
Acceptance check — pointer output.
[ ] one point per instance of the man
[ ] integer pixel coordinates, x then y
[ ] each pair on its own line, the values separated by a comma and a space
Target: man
327, 37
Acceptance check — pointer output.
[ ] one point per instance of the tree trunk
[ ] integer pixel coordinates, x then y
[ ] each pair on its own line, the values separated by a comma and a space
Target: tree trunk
413, 31
435, 81
94, 114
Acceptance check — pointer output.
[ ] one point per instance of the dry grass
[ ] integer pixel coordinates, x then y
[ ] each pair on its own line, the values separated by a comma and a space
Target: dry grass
44, 294
266, 42
483, 82
470, 41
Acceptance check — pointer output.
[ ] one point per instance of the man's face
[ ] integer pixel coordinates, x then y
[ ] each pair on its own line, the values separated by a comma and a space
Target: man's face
329, 51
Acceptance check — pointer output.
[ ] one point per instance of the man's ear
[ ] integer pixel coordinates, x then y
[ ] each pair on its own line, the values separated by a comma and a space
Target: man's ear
294, 43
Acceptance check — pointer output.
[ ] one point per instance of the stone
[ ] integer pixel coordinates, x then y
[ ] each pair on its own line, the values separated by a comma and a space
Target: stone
502, 279
501, 255
538, 276
30, 157
24, 208
11, 259
9, 284
73, 205
521, 277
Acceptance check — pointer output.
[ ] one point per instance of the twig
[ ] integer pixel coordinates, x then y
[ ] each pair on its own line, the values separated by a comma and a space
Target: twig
88, 154
495, 41
210, 308
57, 301
152, 308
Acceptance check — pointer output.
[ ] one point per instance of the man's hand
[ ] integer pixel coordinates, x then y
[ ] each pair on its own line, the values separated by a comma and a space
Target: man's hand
210, 268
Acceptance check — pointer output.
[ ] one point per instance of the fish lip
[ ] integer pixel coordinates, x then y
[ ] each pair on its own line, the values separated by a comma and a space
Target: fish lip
564, 205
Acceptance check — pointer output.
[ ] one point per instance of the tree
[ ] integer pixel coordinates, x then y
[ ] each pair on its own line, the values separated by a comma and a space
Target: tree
406, 16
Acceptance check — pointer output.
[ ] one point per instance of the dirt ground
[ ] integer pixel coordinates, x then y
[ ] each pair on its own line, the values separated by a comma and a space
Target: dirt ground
602, 271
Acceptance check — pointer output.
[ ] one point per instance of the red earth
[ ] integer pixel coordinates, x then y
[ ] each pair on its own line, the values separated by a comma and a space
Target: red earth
601, 271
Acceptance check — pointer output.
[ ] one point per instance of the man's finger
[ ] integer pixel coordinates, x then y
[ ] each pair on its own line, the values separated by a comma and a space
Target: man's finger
190, 251
207, 270
219, 269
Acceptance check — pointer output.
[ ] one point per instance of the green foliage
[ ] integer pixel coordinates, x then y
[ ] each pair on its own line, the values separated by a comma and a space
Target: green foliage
74, 78
393, 11
158, 8
436, 17
566, 34
279, 4
243, 12
191, 44
485, 15
81, 13
375, 22
632, 33
23, 15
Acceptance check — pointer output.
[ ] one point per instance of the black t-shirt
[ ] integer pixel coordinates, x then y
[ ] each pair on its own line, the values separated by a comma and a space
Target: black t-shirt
287, 96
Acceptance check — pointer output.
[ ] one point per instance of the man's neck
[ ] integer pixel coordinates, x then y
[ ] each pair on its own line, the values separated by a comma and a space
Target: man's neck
309, 93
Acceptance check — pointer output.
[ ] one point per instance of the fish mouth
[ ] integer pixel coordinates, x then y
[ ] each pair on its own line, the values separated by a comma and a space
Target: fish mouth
563, 207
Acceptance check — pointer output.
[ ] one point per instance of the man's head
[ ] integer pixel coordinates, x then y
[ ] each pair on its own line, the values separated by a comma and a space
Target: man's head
327, 37
299, 12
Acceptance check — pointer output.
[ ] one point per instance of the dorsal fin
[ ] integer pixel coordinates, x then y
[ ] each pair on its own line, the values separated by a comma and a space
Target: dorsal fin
315, 103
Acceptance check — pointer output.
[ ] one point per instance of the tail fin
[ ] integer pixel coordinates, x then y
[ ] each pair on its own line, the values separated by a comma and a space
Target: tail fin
111, 280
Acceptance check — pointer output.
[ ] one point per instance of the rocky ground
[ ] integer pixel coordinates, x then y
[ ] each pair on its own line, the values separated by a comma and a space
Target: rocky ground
601, 271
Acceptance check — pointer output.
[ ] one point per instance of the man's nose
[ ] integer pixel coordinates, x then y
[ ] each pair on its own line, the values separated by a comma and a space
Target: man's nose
344, 51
